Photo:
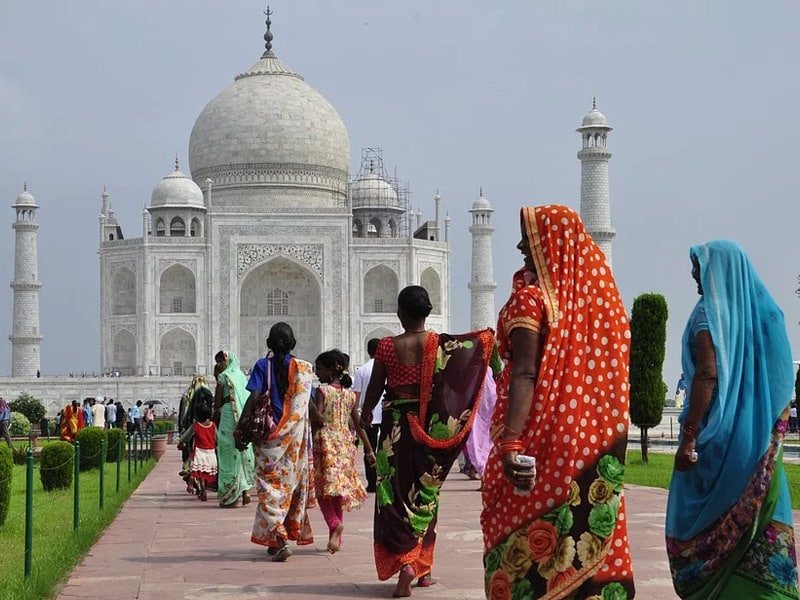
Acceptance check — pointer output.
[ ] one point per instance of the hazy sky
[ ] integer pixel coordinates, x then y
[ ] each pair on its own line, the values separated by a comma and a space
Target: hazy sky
460, 95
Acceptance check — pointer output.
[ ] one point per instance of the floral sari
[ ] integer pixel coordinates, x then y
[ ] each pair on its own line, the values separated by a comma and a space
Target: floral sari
420, 439
283, 470
567, 537
235, 474
729, 527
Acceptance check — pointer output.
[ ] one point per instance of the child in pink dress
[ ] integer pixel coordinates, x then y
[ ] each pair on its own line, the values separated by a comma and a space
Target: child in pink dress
336, 480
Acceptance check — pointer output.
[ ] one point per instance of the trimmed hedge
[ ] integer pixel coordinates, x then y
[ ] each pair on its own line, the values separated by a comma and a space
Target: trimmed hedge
90, 439
114, 437
6, 469
56, 465
162, 427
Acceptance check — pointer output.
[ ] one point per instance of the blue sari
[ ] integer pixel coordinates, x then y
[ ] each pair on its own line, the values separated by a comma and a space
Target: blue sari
729, 524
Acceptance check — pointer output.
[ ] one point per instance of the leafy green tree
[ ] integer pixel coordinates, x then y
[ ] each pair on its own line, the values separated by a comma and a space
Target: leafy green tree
29, 406
648, 342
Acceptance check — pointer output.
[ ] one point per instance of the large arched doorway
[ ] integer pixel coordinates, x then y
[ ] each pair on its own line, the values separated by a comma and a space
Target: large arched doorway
279, 290
178, 353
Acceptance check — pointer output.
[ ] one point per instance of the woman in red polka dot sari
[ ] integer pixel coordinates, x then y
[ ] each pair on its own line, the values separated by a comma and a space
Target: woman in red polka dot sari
558, 530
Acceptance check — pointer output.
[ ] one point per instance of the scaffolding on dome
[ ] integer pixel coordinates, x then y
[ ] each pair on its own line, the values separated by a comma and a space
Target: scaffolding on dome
394, 196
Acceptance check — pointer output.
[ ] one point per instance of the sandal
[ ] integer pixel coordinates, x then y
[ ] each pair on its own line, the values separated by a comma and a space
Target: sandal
282, 554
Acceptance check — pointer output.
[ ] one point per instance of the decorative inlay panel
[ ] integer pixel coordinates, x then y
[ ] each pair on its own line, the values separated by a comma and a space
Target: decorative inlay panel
252, 254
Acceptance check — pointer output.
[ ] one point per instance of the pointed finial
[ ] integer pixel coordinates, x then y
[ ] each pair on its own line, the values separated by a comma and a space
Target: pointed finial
268, 35
25, 186
594, 102
177, 163
105, 190
481, 192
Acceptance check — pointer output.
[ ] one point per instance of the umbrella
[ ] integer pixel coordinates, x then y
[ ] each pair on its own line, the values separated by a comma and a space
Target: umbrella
151, 402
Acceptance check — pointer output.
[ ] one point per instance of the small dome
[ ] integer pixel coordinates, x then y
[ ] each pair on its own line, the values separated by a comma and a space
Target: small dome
481, 204
595, 119
372, 190
25, 199
177, 189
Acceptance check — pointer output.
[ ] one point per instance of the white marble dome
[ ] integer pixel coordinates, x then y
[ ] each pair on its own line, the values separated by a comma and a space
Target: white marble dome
177, 189
270, 125
481, 204
595, 119
25, 199
372, 190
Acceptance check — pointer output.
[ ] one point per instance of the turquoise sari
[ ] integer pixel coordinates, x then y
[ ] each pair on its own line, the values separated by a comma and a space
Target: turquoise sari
729, 527
236, 469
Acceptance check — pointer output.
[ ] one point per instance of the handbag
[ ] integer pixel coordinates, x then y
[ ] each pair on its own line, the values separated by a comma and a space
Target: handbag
257, 421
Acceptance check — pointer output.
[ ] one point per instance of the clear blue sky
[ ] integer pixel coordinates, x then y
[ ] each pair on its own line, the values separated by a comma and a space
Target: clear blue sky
460, 95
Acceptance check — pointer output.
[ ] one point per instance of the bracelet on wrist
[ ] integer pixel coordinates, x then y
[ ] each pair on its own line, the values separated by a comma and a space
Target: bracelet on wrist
506, 446
507, 429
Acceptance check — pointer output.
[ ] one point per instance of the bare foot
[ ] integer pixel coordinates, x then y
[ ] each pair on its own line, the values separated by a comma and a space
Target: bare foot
245, 499
335, 539
403, 589
425, 581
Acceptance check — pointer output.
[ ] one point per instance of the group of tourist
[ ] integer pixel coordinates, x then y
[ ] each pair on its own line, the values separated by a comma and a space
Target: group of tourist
551, 452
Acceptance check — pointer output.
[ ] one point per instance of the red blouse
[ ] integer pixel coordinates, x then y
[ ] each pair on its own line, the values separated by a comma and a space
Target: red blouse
397, 374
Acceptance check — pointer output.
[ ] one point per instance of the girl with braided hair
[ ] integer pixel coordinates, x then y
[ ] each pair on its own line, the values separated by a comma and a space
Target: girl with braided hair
336, 482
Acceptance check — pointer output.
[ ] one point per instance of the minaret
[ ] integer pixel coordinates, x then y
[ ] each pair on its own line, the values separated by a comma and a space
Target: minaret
594, 157
25, 335
482, 283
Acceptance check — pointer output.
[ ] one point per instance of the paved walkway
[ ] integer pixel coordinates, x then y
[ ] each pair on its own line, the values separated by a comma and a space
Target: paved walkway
167, 545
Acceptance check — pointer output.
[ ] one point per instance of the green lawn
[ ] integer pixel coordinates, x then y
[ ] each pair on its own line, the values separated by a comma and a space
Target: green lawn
658, 471
57, 548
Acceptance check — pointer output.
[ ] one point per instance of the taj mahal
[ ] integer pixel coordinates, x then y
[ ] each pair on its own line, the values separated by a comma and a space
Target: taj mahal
268, 225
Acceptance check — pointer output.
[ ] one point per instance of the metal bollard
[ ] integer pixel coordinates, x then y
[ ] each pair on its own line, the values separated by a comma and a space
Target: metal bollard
28, 513
102, 472
76, 503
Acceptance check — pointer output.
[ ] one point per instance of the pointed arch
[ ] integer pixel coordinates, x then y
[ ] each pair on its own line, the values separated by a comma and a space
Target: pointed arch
431, 281
176, 290
381, 286
178, 352
123, 353
279, 290
177, 227
123, 293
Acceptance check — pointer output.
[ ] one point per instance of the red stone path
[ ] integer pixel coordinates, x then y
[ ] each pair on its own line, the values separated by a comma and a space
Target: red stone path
167, 545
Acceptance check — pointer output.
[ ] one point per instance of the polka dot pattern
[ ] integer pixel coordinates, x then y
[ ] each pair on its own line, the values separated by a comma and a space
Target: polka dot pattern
580, 405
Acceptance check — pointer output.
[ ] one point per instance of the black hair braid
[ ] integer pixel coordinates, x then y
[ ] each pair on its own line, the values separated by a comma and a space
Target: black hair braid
281, 342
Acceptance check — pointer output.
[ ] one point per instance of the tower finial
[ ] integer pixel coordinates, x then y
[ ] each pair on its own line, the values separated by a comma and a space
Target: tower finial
177, 163
594, 102
268, 37
25, 186
480, 193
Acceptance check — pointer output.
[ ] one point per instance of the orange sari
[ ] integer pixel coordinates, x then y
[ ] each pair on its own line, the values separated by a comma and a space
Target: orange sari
566, 538
71, 423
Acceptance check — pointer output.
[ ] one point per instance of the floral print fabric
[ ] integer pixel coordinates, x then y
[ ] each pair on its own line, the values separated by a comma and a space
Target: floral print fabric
760, 549
420, 439
283, 470
335, 471
566, 538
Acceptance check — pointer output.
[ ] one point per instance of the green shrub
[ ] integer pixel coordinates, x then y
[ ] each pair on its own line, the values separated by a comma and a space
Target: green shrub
115, 437
6, 470
162, 427
29, 406
19, 454
56, 465
20, 425
90, 439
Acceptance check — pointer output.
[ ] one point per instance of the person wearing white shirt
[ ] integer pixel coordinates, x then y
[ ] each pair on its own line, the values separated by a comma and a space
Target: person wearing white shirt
98, 413
360, 383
